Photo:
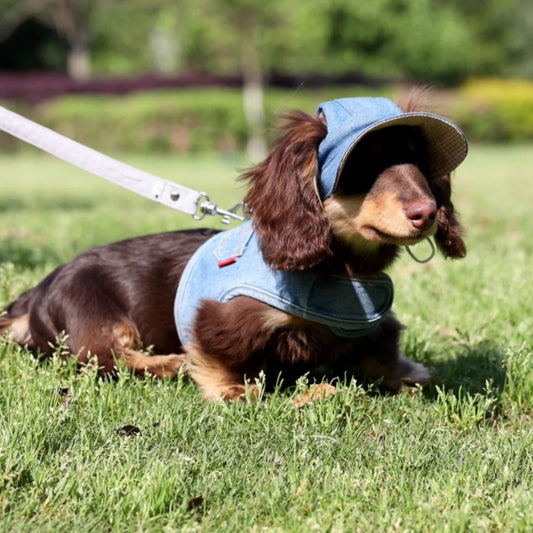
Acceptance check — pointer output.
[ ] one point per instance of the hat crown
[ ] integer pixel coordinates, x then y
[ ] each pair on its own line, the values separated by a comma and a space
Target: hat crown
346, 119
356, 114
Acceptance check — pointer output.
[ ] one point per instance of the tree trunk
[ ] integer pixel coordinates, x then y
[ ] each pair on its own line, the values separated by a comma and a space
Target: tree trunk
253, 98
79, 59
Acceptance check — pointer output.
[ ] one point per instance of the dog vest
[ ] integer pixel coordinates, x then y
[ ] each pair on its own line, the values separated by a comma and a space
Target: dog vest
230, 264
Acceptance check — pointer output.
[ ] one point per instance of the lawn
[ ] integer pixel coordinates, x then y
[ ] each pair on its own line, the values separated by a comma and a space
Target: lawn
84, 454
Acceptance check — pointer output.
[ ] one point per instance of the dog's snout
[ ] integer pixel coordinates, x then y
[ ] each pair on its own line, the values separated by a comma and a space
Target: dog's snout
421, 214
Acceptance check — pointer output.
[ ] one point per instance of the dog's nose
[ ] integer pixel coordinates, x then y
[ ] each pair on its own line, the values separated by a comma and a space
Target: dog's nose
421, 214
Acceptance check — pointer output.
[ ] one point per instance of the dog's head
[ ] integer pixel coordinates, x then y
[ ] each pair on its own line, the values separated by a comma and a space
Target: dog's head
365, 191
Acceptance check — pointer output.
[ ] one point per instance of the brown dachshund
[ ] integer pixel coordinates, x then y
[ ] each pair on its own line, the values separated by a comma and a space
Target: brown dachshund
391, 189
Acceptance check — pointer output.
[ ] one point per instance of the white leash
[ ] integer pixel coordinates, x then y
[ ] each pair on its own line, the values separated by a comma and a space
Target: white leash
143, 183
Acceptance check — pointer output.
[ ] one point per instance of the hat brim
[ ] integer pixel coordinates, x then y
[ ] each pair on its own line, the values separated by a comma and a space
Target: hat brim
446, 143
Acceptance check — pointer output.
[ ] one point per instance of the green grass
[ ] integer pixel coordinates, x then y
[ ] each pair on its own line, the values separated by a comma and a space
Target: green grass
455, 457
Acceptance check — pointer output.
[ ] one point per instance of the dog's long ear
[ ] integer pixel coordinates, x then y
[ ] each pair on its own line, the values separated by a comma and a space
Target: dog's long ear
293, 230
449, 231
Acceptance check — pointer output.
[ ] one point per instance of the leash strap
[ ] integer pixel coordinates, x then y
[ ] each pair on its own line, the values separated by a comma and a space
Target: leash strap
143, 183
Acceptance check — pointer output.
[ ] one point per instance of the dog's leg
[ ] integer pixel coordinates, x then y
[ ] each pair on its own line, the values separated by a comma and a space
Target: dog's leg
230, 347
161, 366
215, 379
407, 372
380, 358
120, 343
102, 334
392, 371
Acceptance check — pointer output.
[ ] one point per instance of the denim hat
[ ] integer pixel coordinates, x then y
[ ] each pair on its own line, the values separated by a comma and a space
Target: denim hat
350, 119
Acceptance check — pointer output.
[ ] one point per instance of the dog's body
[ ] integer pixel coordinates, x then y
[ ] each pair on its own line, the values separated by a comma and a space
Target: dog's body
114, 300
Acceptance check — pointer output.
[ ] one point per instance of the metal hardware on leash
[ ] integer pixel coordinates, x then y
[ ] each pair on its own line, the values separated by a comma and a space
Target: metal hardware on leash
429, 258
206, 207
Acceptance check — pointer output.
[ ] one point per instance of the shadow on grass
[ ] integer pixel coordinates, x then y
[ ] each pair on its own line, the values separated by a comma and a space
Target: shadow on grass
470, 371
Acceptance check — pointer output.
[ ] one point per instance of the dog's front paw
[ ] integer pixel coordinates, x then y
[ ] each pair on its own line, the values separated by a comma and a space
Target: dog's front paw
408, 373
240, 393
418, 375
174, 363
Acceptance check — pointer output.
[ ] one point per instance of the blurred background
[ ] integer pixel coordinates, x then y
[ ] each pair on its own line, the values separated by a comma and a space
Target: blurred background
187, 76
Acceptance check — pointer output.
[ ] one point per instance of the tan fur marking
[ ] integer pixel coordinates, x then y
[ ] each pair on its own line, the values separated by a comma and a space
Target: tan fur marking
385, 213
19, 330
365, 222
275, 319
125, 334
343, 212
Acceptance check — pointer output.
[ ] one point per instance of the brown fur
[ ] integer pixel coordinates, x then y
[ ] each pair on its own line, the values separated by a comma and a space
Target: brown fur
116, 300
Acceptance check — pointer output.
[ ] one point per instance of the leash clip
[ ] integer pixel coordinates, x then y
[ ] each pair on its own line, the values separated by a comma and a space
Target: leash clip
206, 207
427, 259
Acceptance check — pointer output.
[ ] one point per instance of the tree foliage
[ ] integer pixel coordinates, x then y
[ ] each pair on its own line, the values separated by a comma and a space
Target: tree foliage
442, 41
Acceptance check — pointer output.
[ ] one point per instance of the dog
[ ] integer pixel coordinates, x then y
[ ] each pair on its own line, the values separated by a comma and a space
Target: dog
330, 207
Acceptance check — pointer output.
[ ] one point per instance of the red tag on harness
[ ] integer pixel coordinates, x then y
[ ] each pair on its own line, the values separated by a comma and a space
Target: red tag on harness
226, 262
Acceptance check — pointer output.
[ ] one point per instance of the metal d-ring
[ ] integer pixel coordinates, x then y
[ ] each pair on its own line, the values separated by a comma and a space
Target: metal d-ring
429, 258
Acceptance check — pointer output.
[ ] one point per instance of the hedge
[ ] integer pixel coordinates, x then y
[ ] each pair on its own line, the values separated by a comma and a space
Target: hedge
209, 119
496, 110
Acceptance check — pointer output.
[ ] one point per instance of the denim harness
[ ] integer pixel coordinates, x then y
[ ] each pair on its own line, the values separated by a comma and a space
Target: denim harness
230, 264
